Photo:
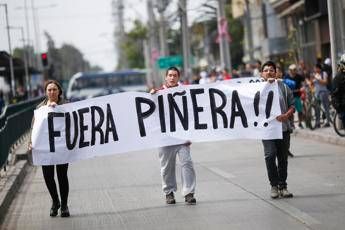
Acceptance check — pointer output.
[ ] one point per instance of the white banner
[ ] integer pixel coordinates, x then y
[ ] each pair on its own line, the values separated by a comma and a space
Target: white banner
135, 121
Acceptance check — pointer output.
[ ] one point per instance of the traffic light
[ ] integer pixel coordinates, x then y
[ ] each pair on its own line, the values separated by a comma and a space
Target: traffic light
44, 58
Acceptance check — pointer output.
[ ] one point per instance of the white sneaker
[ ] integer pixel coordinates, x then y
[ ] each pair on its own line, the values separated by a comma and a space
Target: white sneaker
285, 193
274, 192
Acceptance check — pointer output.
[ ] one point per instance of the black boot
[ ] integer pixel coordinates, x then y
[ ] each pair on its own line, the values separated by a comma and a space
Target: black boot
170, 199
64, 211
54, 209
189, 199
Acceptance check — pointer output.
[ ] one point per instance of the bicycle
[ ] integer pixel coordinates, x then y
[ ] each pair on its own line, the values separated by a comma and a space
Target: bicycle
338, 125
312, 105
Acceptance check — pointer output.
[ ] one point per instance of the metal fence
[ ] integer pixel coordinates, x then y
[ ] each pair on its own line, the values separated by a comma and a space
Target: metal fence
15, 121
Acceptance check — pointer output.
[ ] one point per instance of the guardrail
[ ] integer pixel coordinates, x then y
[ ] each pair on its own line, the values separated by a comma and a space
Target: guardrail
14, 123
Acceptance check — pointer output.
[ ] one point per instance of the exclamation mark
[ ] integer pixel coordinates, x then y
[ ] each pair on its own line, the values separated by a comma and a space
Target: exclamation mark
268, 106
256, 106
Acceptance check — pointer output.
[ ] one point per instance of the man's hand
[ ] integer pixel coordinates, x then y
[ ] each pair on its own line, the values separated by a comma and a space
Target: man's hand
153, 91
282, 117
271, 80
30, 146
188, 143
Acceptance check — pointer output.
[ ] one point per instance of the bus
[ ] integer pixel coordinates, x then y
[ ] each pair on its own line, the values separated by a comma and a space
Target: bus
94, 84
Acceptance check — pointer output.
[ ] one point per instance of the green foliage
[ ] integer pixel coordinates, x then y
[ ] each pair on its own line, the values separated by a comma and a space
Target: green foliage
133, 46
66, 61
235, 29
209, 28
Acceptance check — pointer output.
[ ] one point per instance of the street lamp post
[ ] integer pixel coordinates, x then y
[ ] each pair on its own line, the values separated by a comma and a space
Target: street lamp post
185, 40
225, 58
25, 58
13, 88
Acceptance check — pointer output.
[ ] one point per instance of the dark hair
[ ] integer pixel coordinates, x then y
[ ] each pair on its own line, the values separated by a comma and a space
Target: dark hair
56, 83
269, 63
318, 65
174, 69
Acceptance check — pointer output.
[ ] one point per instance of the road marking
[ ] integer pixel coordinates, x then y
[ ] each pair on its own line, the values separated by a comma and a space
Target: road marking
280, 204
221, 173
295, 212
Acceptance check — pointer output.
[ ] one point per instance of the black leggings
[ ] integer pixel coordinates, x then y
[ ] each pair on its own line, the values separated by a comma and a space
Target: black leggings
48, 174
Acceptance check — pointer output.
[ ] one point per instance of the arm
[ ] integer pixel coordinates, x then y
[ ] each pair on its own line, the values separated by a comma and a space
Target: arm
322, 80
286, 116
290, 101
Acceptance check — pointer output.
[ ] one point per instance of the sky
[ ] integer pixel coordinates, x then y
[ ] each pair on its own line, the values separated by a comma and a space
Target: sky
86, 24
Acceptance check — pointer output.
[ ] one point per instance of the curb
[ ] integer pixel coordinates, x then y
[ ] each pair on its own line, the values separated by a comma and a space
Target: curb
10, 186
322, 137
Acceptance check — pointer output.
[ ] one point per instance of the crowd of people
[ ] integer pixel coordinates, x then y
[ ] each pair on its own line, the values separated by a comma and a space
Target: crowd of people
306, 83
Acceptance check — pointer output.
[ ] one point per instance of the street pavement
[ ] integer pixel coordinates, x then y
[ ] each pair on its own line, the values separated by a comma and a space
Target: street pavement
124, 191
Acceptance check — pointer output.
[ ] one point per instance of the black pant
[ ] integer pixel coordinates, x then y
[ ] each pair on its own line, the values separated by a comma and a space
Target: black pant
48, 174
277, 149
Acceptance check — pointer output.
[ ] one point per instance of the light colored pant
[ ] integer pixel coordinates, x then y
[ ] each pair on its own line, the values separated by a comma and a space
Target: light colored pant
167, 156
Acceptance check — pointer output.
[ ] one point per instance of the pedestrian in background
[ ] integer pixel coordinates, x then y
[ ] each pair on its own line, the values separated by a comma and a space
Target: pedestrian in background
299, 81
279, 77
167, 156
322, 94
53, 92
278, 148
327, 67
338, 94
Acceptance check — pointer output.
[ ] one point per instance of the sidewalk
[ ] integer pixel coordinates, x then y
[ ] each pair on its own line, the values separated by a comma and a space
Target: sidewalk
13, 177
326, 135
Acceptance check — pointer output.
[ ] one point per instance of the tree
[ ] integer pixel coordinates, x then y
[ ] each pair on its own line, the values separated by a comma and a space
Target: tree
66, 61
236, 31
134, 46
205, 32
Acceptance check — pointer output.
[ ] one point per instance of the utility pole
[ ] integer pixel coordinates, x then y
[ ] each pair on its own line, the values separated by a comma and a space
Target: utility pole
119, 32
152, 74
13, 88
336, 30
37, 47
225, 59
249, 32
185, 41
27, 26
332, 35
162, 4
25, 59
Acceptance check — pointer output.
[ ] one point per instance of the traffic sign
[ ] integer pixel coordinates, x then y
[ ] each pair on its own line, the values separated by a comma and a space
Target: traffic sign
167, 61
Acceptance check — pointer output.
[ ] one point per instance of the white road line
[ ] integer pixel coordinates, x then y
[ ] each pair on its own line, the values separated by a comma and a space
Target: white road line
295, 212
221, 172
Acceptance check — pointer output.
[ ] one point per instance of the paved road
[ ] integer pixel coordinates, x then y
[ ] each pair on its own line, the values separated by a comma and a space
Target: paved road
124, 192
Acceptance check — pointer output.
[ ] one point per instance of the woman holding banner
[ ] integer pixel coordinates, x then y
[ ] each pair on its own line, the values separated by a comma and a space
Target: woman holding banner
279, 148
53, 97
167, 156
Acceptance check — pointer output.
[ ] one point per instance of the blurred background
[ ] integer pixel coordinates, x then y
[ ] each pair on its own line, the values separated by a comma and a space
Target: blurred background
127, 45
